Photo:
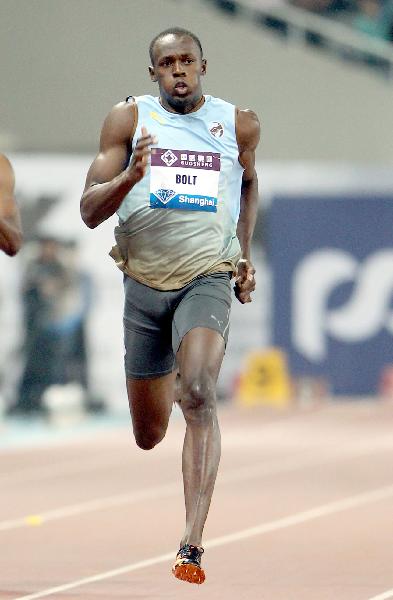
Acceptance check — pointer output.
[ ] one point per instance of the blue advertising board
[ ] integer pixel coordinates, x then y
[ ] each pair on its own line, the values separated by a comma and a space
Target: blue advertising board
332, 269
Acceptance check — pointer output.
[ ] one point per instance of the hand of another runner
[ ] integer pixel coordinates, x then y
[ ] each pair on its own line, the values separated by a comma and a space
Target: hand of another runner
244, 281
141, 154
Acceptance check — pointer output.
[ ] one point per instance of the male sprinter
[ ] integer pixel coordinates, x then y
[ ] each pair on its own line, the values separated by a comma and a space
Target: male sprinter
178, 170
10, 225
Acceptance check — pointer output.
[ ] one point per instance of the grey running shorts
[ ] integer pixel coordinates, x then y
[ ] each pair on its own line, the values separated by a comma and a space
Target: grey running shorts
156, 321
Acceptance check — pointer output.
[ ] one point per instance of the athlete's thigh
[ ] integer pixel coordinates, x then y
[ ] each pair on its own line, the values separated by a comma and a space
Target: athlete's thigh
200, 355
147, 332
150, 402
148, 360
200, 326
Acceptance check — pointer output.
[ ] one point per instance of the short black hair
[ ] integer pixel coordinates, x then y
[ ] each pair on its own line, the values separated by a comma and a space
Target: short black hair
179, 31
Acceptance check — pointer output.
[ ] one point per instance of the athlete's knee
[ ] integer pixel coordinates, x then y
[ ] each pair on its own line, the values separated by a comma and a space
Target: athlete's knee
198, 400
147, 440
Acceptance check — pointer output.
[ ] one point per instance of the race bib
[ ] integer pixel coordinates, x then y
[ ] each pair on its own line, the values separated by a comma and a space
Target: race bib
184, 179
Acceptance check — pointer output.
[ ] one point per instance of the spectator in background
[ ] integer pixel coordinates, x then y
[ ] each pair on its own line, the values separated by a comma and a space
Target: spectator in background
374, 18
10, 224
324, 7
56, 300
42, 287
73, 327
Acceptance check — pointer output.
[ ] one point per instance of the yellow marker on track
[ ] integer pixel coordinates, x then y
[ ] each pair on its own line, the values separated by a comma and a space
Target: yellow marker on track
265, 379
34, 520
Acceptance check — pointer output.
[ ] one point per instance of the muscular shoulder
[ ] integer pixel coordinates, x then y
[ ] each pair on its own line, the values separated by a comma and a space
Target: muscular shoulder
7, 179
119, 124
248, 129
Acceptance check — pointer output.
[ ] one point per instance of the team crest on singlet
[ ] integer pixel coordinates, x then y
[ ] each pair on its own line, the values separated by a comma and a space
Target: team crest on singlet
216, 129
184, 179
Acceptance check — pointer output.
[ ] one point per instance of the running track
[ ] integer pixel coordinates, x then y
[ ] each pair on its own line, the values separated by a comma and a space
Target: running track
303, 510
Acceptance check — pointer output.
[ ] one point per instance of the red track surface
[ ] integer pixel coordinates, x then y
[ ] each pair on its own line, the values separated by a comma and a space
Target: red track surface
308, 495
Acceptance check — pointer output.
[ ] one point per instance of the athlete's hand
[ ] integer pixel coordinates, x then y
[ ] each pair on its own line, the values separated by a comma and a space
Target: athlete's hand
244, 281
140, 158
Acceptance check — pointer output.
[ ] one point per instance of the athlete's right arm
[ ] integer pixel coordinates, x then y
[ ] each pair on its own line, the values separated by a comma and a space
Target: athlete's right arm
109, 179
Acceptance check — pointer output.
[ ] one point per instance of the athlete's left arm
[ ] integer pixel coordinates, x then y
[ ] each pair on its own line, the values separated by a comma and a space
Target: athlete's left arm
248, 133
10, 225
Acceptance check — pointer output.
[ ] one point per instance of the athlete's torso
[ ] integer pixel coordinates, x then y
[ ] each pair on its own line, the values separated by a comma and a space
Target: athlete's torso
180, 220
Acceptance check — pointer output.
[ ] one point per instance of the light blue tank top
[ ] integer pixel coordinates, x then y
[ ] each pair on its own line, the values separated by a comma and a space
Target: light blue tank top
180, 220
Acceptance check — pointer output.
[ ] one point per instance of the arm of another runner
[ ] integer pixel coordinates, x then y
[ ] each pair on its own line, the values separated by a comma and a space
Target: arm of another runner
109, 179
10, 225
248, 132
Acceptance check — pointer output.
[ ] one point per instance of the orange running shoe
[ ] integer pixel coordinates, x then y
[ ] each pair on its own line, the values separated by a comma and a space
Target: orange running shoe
187, 566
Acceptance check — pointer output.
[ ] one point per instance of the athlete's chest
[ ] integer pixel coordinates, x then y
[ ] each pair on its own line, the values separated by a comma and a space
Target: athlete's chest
191, 161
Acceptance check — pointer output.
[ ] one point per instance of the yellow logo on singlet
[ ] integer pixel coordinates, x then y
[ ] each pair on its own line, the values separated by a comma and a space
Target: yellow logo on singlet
157, 117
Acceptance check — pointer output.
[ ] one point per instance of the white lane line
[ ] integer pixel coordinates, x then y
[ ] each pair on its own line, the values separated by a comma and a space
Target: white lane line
76, 466
59, 469
322, 510
159, 491
155, 492
290, 464
101, 576
384, 596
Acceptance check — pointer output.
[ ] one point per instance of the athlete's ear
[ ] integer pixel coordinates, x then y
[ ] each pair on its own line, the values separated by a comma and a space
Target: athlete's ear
152, 74
204, 66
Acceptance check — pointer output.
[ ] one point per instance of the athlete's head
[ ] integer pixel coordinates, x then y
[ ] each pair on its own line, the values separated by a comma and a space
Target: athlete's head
177, 65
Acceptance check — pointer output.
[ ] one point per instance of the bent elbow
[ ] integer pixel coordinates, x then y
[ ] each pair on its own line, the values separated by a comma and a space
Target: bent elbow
87, 217
14, 245
89, 222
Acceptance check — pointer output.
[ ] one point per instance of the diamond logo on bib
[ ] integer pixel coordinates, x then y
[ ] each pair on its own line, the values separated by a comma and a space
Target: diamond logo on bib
165, 195
188, 179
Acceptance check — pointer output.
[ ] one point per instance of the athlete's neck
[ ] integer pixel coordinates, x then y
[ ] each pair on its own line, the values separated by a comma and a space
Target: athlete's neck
182, 109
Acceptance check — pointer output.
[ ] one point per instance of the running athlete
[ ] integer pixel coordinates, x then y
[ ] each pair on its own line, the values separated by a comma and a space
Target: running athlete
179, 172
10, 225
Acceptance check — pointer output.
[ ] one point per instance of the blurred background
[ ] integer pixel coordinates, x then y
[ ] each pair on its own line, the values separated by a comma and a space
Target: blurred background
320, 76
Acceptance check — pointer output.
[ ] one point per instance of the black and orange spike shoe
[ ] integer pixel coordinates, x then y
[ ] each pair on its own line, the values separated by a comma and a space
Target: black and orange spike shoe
187, 566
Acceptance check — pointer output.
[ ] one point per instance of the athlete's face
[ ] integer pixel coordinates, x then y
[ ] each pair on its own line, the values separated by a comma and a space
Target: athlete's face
178, 68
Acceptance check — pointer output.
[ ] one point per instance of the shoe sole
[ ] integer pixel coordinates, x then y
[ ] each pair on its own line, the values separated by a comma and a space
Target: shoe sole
190, 573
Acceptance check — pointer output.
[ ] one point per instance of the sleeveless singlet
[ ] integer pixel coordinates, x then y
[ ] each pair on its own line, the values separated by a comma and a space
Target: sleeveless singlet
180, 220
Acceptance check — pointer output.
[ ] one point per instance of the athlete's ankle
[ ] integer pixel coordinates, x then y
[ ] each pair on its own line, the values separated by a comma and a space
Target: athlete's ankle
191, 541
